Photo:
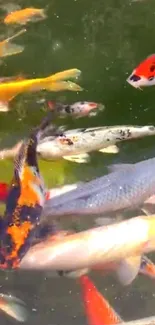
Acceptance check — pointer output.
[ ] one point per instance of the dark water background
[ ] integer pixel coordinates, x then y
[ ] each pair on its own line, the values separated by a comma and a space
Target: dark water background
106, 40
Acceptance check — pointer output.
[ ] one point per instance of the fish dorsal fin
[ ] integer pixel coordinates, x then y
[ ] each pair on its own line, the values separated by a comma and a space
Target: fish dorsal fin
128, 269
97, 309
119, 167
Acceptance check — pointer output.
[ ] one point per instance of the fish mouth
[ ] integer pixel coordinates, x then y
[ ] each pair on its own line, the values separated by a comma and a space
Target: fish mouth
137, 81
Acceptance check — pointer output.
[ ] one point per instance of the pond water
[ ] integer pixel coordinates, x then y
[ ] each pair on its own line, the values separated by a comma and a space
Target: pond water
105, 40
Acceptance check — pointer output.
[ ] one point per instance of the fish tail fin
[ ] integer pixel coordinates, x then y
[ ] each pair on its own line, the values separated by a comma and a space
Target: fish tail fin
97, 309
10, 48
13, 307
128, 269
62, 85
64, 75
147, 267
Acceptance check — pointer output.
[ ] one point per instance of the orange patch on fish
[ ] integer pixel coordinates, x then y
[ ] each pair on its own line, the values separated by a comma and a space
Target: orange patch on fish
65, 141
18, 235
29, 195
24, 15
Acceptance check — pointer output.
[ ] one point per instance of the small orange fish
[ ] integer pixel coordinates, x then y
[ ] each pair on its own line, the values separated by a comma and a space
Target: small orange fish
7, 48
144, 74
97, 309
24, 16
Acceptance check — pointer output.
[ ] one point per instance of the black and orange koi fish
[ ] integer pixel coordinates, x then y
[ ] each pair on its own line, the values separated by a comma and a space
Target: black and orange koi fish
24, 203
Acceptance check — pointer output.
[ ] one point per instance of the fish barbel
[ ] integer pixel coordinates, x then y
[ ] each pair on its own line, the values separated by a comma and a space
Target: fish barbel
99, 245
74, 145
128, 186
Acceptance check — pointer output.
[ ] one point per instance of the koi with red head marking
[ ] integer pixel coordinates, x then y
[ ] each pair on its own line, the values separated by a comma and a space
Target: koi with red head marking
24, 203
77, 109
144, 74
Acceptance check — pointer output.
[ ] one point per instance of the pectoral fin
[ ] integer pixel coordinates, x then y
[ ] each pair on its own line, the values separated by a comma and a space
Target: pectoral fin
11, 49
128, 269
80, 159
13, 307
110, 149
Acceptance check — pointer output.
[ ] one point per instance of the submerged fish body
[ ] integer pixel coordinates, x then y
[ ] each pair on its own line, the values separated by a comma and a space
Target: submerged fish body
22, 16
77, 109
105, 245
128, 186
73, 143
144, 74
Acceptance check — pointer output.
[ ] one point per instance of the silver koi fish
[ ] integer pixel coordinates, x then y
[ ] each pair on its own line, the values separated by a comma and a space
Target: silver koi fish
128, 186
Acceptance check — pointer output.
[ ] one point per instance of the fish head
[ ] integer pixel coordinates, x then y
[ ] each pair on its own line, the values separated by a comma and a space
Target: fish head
147, 267
144, 74
83, 108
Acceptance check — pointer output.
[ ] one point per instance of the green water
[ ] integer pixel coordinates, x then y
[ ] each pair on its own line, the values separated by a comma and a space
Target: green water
105, 40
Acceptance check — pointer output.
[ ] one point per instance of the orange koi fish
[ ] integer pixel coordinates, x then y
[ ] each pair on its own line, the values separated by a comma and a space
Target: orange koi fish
7, 48
24, 16
55, 82
144, 74
24, 204
97, 309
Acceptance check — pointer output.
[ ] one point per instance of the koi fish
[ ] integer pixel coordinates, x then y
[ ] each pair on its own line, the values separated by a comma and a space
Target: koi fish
7, 48
55, 82
76, 110
14, 307
128, 186
24, 16
93, 247
97, 309
25, 202
74, 145
144, 74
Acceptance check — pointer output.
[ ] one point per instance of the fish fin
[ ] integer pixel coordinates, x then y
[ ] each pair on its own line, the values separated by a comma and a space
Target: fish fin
119, 167
14, 307
64, 75
147, 267
81, 159
62, 85
128, 269
15, 35
110, 149
41, 15
96, 307
61, 190
9, 7
11, 49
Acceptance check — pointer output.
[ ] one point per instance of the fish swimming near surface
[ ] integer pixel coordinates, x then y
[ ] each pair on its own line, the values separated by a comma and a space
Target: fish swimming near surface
8, 48
119, 243
128, 186
144, 74
13, 307
23, 16
75, 145
97, 309
77, 109
24, 203
55, 82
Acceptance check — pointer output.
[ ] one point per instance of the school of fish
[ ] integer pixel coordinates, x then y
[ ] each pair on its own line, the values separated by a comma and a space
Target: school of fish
31, 237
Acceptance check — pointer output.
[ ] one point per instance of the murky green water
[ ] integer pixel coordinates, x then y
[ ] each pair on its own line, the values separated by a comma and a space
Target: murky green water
106, 40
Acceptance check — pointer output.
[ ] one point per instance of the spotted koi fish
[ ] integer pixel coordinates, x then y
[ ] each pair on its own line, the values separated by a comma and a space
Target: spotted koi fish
24, 203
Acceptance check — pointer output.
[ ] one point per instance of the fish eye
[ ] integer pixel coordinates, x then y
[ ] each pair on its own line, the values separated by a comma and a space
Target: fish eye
151, 78
135, 78
143, 263
152, 68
